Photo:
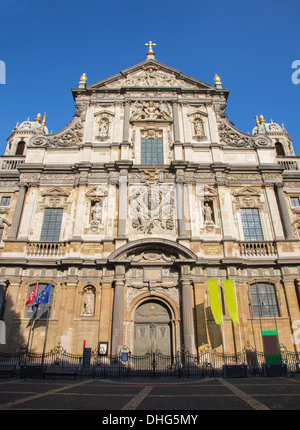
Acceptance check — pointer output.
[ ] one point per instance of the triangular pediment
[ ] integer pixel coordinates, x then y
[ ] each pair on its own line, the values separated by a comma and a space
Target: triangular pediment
246, 191
55, 192
150, 74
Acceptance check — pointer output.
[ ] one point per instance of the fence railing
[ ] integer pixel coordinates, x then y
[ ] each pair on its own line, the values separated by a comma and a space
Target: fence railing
46, 249
208, 363
289, 163
11, 162
257, 249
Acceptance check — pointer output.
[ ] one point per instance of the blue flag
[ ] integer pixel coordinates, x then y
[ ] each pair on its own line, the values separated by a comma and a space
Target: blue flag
43, 298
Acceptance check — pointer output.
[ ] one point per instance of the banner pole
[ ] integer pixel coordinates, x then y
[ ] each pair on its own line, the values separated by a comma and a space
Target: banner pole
223, 328
46, 333
237, 306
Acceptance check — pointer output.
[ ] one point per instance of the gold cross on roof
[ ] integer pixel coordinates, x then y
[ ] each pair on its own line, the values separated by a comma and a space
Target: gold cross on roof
150, 44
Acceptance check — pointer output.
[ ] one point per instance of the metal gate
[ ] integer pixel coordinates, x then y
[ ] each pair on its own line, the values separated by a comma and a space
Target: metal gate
208, 363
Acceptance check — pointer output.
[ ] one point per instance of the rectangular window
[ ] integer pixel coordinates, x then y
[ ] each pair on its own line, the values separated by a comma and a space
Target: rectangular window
295, 201
41, 312
1, 233
152, 151
5, 201
51, 225
251, 224
264, 301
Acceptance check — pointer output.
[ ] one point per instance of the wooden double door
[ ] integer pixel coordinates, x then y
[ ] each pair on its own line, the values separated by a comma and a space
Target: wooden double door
152, 329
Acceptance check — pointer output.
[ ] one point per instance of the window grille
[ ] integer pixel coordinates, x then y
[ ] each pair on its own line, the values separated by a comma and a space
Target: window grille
251, 224
264, 300
51, 225
152, 151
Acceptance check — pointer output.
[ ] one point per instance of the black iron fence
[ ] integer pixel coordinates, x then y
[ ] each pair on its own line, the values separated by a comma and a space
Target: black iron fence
208, 363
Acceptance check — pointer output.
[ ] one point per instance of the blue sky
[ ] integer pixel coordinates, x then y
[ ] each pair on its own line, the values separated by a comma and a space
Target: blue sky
47, 45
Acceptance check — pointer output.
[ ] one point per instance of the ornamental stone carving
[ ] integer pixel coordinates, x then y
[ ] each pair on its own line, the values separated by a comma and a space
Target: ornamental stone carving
151, 76
152, 208
70, 136
55, 197
232, 137
151, 110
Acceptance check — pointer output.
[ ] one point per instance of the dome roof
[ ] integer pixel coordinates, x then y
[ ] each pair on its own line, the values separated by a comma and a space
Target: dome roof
266, 127
36, 125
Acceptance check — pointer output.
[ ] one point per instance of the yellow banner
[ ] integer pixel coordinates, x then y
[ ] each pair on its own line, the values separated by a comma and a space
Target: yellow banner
230, 298
214, 298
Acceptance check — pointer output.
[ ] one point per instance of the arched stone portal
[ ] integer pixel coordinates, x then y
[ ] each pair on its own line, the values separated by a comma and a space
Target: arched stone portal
152, 331
159, 268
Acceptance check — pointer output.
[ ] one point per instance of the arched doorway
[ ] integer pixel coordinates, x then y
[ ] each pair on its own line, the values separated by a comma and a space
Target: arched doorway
152, 331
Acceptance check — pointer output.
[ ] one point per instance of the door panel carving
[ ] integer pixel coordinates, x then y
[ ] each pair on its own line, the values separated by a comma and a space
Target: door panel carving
152, 329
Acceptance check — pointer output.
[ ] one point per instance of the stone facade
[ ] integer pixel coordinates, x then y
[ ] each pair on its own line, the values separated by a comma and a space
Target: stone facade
138, 241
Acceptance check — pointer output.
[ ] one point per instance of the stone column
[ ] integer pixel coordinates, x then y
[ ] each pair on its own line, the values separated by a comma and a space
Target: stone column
180, 204
18, 212
118, 318
122, 205
126, 122
187, 316
79, 212
176, 123
124, 147
285, 218
180, 210
3, 286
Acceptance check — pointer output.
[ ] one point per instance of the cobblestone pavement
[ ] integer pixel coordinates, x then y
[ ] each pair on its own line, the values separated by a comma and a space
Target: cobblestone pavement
145, 398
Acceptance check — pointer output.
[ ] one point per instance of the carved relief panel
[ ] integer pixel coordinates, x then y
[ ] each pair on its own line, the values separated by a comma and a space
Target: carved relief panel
151, 208
151, 111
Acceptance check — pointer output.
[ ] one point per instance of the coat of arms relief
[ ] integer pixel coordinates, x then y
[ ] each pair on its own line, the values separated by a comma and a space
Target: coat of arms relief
151, 208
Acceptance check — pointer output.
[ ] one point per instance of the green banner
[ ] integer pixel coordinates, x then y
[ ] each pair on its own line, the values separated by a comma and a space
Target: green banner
214, 298
230, 298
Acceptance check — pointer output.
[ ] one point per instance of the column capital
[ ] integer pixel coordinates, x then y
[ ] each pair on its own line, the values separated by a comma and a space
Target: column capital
119, 282
278, 185
4, 283
124, 166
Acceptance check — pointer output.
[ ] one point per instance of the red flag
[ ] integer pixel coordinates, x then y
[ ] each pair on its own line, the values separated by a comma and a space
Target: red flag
32, 296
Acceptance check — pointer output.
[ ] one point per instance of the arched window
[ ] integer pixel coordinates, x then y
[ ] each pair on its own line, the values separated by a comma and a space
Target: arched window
20, 148
279, 149
264, 300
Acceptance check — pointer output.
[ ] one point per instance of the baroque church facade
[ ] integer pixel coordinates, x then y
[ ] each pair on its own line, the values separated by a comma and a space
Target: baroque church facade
149, 192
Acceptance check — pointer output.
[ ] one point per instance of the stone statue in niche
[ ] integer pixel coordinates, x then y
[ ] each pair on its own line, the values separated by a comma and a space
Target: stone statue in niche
103, 129
89, 302
207, 212
96, 211
96, 214
198, 129
96, 195
208, 215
